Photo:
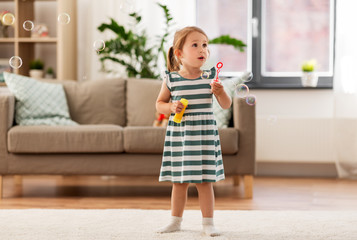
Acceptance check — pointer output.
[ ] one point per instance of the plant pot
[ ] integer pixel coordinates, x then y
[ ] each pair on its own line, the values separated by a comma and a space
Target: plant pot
309, 79
36, 73
49, 76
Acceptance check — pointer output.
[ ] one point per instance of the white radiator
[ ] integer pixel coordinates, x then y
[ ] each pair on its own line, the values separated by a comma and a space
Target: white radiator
282, 139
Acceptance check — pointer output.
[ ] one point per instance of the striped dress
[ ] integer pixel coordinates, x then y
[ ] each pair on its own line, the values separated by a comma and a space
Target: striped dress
192, 151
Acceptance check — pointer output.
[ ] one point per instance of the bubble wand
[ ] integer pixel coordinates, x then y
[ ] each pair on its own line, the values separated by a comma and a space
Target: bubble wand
219, 66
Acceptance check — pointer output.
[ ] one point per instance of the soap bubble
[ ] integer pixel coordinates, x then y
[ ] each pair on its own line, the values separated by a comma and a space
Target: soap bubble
64, 18
15, 62
250, 100
242, 90
247, 76
8, 19
206, 74
99, 45
28, 25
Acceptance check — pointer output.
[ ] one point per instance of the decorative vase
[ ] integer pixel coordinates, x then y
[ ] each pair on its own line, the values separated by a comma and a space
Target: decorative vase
36, 73
309, 79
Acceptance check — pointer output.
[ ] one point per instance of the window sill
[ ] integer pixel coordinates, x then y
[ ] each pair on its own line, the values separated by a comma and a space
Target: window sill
287, 86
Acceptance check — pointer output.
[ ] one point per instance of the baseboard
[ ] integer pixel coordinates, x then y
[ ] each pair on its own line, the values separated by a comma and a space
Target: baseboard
285, 169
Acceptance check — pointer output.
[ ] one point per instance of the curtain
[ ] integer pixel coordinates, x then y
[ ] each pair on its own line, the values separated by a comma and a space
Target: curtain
345, 89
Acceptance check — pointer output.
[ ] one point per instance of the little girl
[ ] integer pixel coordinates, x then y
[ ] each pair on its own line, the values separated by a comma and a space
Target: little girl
192, 151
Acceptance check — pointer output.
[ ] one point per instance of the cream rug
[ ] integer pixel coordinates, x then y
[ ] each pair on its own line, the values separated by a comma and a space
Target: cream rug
141, 224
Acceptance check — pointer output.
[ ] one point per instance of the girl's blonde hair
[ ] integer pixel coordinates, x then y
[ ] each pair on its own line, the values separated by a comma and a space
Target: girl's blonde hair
173, 64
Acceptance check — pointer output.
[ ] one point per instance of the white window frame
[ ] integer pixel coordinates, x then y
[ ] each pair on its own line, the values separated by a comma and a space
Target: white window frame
296, 74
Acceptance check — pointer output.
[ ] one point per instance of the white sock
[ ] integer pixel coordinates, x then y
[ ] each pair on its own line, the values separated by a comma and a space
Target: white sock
208, 227
173, 226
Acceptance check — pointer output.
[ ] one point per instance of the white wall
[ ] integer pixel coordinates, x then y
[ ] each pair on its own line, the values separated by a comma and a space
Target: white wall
295, 125
91, 14
310, 103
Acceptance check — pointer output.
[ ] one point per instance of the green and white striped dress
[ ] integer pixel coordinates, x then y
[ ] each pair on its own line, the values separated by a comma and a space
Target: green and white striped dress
192, 151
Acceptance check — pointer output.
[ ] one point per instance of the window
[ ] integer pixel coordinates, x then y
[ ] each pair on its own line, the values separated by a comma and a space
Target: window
222, 17
280, 35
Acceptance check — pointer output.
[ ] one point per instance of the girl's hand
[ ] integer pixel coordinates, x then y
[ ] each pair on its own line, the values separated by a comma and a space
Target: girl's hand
217, 88
176, 107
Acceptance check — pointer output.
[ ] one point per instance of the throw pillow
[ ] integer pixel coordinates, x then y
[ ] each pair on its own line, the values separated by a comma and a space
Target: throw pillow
38, 103
96, 101
223, 116
2, 77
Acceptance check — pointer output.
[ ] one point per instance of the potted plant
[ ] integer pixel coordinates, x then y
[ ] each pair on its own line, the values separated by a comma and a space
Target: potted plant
309, 78
36, 68
50, 74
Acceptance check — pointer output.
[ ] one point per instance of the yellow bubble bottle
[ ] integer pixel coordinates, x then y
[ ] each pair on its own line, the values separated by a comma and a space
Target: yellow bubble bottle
178, 116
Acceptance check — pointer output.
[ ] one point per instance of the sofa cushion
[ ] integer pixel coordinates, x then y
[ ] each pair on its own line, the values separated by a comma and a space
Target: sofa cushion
97, 101
144, 139
152, 140
65, 139
38, 103
141, 98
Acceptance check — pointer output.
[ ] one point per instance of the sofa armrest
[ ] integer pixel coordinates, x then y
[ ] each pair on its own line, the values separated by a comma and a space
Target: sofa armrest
244, 121
7, 109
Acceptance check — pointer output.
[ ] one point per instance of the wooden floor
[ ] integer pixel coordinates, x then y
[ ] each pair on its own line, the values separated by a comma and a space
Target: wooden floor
96, 192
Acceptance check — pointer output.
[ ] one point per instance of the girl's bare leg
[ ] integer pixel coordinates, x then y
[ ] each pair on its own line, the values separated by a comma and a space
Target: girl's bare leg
178, 202
206, 200
178, 198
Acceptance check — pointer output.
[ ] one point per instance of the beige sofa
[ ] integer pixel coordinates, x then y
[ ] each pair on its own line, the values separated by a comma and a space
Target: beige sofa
115, 135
